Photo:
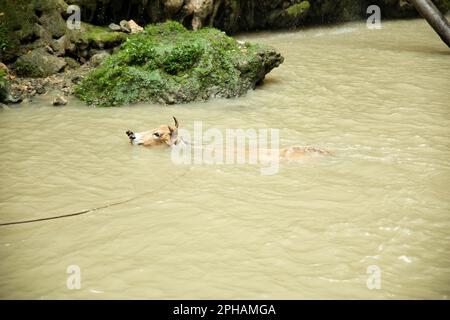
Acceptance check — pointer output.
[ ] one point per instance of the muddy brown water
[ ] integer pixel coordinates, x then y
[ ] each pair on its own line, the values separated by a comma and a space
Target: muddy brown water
378, 99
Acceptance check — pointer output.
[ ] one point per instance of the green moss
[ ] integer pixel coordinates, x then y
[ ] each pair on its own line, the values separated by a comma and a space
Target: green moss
101, 34
4, 38
95, 36
26, 69
298, 9
169, 64
4, 86
16, 23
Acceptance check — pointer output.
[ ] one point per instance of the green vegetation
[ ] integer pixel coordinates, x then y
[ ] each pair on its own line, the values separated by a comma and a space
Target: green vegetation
169, 64
16, 23
27, 69
298, 9
4, 86
98, 35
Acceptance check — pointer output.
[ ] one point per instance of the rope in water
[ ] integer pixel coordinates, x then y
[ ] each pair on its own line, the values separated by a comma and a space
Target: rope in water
78, 213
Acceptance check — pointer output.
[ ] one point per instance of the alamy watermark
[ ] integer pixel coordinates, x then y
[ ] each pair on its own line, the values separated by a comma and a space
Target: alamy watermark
374, 279
74, 20
374, 20
74, 279
234, 146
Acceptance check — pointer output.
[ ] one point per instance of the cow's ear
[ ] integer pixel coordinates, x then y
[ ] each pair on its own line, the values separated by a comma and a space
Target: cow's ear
173, 134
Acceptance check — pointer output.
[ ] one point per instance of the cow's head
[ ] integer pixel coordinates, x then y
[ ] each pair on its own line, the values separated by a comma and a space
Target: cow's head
163, 135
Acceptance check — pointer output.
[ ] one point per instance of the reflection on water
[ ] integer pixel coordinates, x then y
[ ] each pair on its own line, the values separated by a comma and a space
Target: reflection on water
378, 99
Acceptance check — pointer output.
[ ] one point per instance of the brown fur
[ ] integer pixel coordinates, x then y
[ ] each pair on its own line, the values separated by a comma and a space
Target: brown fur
167, 135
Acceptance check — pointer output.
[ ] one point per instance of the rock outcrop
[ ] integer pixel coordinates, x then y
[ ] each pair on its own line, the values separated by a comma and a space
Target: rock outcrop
4, 84
237, 15
35, 40
39, 63
28, 25
169, 64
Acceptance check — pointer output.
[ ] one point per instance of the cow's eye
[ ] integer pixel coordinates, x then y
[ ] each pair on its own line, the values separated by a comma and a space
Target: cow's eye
156, 134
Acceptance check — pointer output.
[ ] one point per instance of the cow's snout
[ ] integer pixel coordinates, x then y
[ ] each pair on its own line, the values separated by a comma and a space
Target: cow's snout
131, 135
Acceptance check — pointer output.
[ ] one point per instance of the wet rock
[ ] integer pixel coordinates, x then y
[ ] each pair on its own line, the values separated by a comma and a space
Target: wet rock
13, 98
40, 89
27, 101
98, 58
5, 88
4, 91
38, 63
59, 101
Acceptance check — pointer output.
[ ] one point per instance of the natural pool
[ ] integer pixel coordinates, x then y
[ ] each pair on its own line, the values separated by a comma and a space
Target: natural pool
378, 99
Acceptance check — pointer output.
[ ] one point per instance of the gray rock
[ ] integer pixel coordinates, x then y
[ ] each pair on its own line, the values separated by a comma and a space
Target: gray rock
84, 53
38, 63
72, 63
173, 6
54, 23
27, 101
98, 58
58, 46
4, 91
115, 27
41, 89
49, 49
59, 101
76, 78
13, 99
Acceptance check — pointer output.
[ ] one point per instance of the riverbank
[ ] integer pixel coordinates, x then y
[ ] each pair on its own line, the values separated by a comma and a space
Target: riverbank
378, 99
41, 55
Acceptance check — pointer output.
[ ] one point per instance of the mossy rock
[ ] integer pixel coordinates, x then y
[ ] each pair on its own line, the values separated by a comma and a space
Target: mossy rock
290, 16
4, 86
95, 36
38, 63
17, 20
169, 64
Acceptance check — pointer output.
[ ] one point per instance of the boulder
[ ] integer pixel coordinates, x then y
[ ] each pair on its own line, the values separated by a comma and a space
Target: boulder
59, 46
98, 58
59, 101
114, 27
53, 22
125, 26
72, 63
169, 64
289, 15
38, 63
4, 86
171, 7
80, 42
134, 27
